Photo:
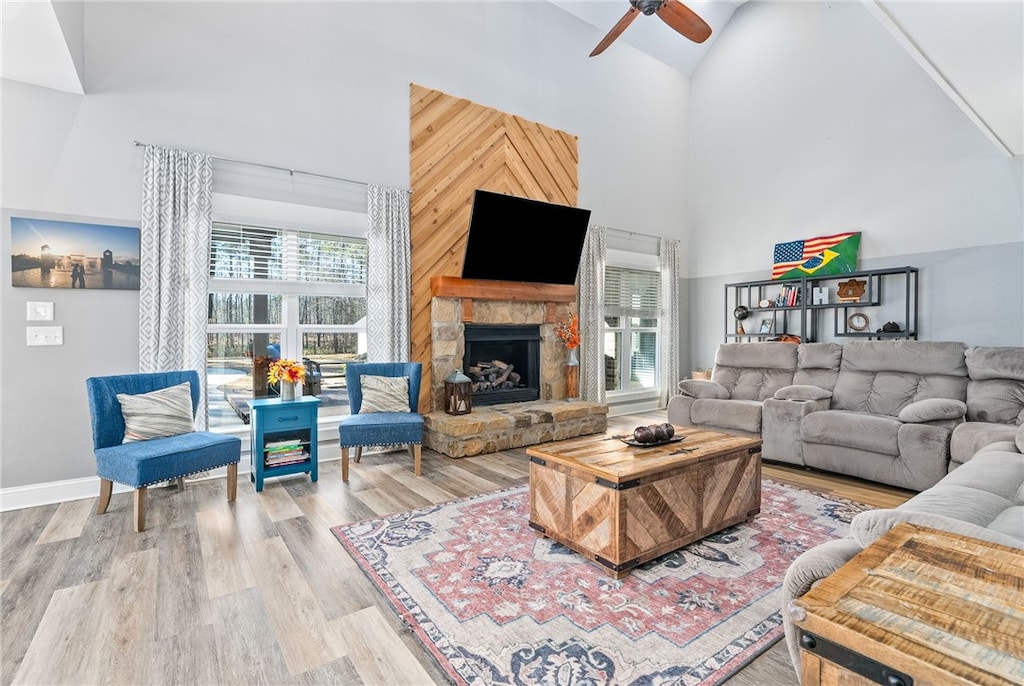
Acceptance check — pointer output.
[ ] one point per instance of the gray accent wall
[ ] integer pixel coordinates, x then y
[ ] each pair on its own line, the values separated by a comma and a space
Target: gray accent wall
973, 295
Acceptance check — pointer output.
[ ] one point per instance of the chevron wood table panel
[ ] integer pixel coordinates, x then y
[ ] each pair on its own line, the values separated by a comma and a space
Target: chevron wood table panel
622, 505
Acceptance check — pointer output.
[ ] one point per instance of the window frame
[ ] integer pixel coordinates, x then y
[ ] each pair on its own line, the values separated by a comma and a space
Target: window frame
622, 259
292, 220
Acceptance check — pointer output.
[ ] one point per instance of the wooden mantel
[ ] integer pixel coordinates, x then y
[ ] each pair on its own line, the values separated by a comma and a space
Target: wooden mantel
484, 289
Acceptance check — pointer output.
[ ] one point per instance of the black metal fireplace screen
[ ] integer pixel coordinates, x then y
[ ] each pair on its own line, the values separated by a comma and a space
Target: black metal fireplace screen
503, 362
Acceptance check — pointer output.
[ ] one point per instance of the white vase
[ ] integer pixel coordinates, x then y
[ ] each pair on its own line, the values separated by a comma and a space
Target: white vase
288, 390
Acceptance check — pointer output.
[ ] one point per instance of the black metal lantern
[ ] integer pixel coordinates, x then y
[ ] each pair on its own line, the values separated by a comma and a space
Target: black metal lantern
458, 393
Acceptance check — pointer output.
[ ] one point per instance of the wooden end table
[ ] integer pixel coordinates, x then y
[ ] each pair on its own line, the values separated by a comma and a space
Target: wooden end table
621, 505
919, 606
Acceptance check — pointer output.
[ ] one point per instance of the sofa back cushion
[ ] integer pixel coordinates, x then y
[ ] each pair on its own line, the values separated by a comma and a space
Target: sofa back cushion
995, 389
817, 364
883, 377
754, 371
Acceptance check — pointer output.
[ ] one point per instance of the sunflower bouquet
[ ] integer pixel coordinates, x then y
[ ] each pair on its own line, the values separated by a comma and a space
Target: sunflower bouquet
286, 370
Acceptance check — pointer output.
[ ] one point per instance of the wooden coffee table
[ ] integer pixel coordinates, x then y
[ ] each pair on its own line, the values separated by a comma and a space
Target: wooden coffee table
621, 505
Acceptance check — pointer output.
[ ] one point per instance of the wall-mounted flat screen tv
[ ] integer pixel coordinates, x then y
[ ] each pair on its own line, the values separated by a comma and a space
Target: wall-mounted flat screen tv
516, 239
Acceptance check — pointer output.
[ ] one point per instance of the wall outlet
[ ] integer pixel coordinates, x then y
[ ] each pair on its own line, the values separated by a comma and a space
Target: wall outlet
44, 335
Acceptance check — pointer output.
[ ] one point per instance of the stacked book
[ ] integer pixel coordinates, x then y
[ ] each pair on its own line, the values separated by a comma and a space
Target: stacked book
288, 451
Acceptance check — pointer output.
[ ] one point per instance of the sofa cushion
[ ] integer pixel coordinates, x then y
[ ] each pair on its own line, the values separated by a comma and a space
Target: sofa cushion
933, 410
818, 364
970, 437
700, 388
754, 371
802, 392
882, 377
995, 392
742, 415
971, 500
874, 433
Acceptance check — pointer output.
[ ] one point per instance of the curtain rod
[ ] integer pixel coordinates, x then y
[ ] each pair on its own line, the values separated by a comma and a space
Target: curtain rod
293, 172
630, 234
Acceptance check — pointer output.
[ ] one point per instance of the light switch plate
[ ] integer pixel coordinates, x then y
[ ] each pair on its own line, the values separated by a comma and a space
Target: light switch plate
44, 335
39, 311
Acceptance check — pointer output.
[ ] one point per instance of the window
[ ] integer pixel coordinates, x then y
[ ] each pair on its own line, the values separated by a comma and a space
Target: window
632, 307
279, 292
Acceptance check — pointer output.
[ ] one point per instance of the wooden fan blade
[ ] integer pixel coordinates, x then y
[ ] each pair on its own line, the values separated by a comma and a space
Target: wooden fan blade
684, 20
626, 20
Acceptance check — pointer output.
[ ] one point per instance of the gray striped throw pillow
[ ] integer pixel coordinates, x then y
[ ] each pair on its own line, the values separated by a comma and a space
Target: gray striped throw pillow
384, 393
165, 412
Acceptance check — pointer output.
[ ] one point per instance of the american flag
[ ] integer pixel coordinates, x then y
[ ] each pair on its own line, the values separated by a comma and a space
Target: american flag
794, 253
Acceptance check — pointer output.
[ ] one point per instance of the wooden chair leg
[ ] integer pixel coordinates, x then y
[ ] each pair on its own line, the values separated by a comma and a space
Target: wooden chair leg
106, 488
344, 464
181, 483
140, 508
359, 453
416, 450
232, 481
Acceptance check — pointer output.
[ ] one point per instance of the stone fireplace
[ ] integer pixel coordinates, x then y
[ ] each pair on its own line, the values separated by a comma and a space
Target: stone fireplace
461, 302
499, 312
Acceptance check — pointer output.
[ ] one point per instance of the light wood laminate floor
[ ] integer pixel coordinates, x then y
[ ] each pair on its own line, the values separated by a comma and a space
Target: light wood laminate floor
257, 591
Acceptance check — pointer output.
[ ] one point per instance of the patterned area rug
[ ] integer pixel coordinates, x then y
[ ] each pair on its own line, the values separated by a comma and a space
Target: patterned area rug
494, 603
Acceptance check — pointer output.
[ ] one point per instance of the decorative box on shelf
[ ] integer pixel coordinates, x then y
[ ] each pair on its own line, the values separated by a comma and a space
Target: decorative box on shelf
284, 438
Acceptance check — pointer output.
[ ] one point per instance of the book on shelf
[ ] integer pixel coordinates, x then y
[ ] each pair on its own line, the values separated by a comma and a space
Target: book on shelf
286, 443
286, 458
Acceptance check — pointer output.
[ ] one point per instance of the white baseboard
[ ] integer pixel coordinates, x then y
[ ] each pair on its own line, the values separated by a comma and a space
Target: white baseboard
33, 495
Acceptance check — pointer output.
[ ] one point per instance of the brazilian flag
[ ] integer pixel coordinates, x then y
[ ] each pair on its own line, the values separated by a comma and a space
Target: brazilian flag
822, 256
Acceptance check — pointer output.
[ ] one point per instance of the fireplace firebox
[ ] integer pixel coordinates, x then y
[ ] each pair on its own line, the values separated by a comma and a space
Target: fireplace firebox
503, 362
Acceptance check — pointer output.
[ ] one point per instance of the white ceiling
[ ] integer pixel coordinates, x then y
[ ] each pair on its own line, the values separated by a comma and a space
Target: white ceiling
33, 47
651, 34
973, 49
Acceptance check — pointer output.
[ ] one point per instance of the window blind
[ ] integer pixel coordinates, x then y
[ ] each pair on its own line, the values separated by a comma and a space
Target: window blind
238, 251
632, 292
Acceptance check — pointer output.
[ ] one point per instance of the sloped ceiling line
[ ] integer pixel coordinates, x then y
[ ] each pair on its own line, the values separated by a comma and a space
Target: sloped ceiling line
919, 56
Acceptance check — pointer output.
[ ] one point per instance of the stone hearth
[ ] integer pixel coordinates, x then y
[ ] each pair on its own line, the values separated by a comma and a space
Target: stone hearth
515, 425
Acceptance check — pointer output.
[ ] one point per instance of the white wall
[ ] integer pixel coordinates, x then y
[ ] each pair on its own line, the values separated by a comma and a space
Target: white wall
315, 86
808, 119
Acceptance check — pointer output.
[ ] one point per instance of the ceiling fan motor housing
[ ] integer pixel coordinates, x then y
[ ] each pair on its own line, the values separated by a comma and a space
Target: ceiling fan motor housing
648, 7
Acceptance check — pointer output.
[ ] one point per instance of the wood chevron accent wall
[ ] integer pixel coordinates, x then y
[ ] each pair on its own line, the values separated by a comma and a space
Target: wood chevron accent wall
455, 147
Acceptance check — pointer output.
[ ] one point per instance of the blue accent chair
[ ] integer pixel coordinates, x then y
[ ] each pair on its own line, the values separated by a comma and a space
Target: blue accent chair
381, 428
144, 463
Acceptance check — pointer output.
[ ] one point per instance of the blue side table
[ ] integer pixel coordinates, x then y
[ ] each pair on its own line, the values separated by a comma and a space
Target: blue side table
283, 434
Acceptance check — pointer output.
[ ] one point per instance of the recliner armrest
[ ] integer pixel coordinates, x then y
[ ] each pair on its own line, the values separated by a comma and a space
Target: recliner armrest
933, 409
699, 388
802, 393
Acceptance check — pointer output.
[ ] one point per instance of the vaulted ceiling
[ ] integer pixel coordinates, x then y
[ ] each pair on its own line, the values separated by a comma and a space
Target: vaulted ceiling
973, 50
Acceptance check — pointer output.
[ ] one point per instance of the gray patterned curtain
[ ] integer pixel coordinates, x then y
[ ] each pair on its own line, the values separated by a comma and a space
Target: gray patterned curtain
389, 279
177, 195
592, 315
668, 336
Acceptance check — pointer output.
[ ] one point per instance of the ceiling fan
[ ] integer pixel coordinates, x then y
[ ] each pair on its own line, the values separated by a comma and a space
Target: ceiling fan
672, 12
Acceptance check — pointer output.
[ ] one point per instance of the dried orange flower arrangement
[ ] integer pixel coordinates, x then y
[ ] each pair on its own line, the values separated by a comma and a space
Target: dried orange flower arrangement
569, 331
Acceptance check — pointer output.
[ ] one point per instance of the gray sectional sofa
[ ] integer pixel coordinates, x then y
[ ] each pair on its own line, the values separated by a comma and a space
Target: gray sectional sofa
982, 498
903, 413
936, 417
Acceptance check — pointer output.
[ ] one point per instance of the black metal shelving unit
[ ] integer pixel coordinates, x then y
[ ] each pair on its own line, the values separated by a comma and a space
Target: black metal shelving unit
804, 318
